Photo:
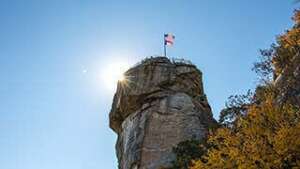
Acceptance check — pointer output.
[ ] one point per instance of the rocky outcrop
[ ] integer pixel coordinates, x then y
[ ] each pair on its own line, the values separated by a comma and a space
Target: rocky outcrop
160, 104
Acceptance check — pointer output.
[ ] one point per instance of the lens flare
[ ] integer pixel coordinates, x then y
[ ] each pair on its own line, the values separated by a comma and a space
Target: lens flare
114, 72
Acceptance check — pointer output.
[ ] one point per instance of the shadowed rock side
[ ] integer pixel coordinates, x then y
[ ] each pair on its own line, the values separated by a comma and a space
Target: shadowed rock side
161, 104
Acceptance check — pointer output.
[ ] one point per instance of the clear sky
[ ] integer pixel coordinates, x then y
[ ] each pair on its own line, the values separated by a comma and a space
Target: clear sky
54, 103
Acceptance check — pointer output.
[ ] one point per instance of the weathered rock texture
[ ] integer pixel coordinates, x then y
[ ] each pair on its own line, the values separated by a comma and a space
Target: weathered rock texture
161, 103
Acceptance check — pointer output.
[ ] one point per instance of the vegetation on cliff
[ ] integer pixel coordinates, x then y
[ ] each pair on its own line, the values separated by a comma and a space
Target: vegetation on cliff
260, 129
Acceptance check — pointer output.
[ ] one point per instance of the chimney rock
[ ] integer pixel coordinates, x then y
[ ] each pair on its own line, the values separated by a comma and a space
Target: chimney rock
160, 104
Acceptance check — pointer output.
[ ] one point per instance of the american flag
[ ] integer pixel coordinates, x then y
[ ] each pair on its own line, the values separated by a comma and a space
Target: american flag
169, 39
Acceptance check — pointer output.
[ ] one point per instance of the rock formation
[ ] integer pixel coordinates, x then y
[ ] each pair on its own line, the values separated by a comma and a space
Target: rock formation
160, 104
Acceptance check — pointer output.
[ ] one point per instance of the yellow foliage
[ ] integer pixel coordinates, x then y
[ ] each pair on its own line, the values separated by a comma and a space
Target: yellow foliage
288, 45
268, 137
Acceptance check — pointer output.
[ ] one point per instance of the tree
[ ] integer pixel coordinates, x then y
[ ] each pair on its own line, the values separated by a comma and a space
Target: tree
268, 137
236, 107
187, 151
266, 132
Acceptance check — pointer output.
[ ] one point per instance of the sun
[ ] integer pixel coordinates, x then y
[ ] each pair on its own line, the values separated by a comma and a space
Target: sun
114, 72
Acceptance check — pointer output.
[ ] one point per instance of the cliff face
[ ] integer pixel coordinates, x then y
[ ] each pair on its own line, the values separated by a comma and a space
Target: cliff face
159, 105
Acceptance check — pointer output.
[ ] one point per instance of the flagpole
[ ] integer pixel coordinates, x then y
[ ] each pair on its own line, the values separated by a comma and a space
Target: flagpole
165, 49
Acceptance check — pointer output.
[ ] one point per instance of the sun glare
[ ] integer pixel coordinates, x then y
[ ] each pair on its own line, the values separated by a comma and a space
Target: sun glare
114, 72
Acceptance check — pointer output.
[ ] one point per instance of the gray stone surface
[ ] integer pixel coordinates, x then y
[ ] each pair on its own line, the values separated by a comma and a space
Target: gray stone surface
159, 105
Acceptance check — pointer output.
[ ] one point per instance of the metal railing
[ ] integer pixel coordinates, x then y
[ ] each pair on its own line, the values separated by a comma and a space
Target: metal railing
178, 61
181, 61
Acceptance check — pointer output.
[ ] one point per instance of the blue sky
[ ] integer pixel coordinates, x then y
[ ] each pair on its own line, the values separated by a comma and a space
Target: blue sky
54, 104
